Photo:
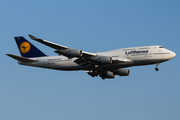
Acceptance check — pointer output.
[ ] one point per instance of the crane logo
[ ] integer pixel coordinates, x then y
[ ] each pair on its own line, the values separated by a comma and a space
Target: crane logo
25, 47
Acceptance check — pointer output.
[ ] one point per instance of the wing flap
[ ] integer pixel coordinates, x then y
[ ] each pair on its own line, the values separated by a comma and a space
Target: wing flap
22, 59
88, 55
123, 60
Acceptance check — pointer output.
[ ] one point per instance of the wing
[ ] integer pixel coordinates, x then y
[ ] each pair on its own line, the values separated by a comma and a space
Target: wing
60, 48
84, 57
50, 44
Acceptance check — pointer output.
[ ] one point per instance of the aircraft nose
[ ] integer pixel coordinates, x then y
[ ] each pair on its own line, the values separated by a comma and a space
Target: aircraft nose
170, 55
173, 54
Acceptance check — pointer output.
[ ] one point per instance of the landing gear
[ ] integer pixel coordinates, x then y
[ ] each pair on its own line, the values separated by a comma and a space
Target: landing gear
93, 72
103, 78
157, 69
103, 75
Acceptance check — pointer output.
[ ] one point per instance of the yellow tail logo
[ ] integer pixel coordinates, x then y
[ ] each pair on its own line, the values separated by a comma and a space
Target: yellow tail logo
25, 47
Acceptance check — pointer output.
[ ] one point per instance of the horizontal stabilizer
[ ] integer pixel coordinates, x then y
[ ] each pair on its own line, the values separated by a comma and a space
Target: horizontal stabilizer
22, 59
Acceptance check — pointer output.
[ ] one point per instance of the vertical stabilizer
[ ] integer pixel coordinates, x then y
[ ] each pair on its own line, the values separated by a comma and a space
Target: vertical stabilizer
27, 49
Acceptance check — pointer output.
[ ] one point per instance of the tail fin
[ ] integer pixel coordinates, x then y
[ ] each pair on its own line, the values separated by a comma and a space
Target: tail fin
27, 49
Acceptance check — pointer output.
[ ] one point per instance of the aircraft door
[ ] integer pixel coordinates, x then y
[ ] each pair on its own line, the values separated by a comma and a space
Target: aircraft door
46, 64
150, 54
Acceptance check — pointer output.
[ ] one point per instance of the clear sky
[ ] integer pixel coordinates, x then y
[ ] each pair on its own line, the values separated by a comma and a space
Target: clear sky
28, 93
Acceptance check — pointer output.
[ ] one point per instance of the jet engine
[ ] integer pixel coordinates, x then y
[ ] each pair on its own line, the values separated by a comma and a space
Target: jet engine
104, 60
122, 72
110, 75
75, 53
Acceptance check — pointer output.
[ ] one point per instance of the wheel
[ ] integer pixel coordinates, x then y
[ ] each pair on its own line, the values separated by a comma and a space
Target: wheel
103, 77
92, 75
157, 69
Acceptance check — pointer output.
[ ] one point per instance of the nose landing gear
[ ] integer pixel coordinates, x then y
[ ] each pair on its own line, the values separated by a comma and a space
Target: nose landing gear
157, 69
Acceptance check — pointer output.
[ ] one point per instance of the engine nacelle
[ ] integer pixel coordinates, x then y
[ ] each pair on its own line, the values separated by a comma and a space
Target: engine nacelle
75, 53
104, 60
110, 75
123, 72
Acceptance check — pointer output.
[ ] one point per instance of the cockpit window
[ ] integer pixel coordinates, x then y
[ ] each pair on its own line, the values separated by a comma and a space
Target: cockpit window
161, 47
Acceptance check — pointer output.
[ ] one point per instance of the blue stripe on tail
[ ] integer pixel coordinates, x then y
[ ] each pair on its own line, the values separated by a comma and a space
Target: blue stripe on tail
27, 49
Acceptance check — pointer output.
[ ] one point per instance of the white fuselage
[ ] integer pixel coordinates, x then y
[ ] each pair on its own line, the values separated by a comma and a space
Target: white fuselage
138, 55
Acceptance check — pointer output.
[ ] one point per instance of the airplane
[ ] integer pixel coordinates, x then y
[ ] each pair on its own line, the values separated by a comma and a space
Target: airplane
103, 64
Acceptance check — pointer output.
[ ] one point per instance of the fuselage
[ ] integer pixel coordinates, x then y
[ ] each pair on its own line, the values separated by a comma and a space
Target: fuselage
145, 55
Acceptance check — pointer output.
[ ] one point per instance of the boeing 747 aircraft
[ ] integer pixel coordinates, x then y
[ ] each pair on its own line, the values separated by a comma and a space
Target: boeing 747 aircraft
103, 64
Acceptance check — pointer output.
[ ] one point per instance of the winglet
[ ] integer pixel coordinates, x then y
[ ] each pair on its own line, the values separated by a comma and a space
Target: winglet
32, 37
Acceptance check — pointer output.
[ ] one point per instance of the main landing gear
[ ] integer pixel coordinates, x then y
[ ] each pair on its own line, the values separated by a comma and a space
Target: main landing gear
103, 75
94, 71
157, 69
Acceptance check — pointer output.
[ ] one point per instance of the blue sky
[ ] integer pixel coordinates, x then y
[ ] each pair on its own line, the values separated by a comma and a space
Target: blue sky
96, 25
